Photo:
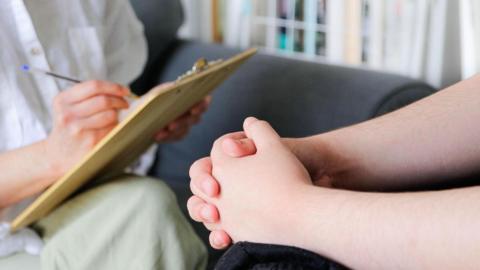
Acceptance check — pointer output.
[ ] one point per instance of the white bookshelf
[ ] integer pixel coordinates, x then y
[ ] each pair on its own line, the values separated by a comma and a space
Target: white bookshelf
401, 36
290, 27
339, 31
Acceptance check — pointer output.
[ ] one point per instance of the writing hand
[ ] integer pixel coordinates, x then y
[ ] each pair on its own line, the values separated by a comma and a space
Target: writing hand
83, 115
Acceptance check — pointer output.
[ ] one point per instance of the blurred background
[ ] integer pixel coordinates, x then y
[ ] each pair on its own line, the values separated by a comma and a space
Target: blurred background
437, 41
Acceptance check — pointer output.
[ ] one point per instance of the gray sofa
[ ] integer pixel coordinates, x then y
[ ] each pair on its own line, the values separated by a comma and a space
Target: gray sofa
298, 98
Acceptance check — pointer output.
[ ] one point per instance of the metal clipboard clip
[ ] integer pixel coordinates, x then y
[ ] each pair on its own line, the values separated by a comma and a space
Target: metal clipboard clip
199, 66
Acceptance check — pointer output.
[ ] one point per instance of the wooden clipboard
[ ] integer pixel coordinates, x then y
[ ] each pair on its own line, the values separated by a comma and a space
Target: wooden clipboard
134, 135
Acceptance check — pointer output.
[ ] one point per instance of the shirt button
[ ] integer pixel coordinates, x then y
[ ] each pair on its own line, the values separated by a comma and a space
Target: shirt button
36, 51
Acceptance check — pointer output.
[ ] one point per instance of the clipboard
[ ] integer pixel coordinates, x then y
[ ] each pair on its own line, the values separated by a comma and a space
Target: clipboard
135, 134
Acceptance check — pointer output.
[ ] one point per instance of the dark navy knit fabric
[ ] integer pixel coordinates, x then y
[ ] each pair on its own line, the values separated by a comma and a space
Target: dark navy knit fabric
250, 256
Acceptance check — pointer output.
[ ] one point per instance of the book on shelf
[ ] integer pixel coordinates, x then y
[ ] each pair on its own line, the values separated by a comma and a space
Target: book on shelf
308, 28
299, 26
283, 37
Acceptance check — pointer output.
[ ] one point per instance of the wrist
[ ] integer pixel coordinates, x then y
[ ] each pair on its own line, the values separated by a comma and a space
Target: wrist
310, 155
51, 168
331, 216
325, 163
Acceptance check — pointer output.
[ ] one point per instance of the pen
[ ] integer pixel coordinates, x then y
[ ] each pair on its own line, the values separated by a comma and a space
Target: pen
27, 68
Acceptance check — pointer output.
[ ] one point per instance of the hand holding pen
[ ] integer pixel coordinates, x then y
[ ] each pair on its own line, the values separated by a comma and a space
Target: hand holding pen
173, 132
34, 70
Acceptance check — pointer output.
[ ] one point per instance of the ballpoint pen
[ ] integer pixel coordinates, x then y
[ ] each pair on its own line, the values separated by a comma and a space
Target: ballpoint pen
27, 68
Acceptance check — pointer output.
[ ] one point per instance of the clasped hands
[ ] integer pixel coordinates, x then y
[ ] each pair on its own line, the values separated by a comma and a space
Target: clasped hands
247, 189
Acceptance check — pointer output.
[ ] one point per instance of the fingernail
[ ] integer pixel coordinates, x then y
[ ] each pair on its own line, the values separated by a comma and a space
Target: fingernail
206, 214
249, 121
217, 242
206, 187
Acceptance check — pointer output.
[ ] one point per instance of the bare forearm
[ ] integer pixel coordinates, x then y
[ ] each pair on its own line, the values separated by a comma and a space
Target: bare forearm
435, 139
25, 172
434, 230
82, 116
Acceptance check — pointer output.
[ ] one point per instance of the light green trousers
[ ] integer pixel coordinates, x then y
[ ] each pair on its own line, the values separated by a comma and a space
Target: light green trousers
130, 223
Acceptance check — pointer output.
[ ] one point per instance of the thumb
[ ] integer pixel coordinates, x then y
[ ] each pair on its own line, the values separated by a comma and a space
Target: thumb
261, 132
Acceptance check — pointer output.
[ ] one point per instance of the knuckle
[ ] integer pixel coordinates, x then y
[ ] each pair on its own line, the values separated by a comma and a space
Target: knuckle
192, 202
200, 166
260, 124
64, 118
191, 211
218, 143
75, 129
110, 116
193, 169
196, 181
95, 84
192, 186
195, 187
217, 148
104, 101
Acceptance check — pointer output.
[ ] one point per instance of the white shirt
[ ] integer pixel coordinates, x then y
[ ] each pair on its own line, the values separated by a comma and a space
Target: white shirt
84, 39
